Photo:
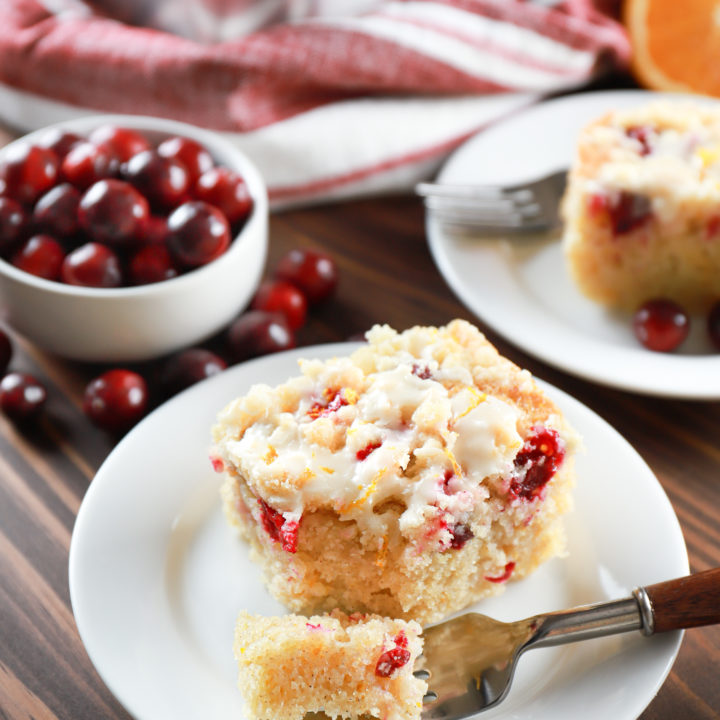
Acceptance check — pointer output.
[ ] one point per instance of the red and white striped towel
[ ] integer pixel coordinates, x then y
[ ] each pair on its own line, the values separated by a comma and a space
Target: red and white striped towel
327, 107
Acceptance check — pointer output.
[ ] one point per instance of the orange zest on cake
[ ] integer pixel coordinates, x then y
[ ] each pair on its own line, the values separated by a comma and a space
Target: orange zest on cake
642, 207
410, 479
343, 665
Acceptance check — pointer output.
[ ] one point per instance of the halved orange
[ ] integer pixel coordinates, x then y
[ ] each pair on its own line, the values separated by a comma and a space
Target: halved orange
676, 44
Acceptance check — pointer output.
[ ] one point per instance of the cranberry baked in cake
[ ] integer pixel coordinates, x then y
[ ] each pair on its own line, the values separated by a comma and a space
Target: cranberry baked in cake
642, 207
410, 479
349, 666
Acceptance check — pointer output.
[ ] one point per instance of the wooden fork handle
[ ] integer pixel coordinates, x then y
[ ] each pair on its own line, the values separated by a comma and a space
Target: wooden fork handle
686, 602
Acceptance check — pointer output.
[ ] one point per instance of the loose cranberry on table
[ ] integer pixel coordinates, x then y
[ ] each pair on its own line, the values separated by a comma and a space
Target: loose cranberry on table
14, 223
189, 367
227, 191
258, 333
163, 181
713, 325
314, 273
197, 234
92, 265
27, 171
121, 142
113, 212
22, 396
86, 163
6, 352
280, 296
196, 159
41, 255
661, 325
151, 264
56, 212
116, 400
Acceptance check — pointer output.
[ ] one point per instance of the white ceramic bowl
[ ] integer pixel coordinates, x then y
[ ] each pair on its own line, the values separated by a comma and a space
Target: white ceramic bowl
147, 321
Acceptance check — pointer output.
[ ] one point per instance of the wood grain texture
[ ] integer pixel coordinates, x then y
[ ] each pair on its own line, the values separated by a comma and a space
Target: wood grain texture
387, 275
686, 602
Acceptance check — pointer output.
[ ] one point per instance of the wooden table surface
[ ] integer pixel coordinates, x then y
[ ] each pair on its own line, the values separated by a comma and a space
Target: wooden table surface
387, 275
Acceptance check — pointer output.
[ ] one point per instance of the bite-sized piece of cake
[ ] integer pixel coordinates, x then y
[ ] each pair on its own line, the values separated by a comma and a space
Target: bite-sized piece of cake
642, 207
342, 665
409, 479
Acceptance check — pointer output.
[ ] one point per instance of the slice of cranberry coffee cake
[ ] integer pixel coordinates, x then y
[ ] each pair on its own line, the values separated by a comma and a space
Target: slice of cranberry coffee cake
642, 207
409, 479
348, 666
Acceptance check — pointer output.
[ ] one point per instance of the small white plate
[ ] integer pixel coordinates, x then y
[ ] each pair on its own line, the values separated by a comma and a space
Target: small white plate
157, 578
520, 287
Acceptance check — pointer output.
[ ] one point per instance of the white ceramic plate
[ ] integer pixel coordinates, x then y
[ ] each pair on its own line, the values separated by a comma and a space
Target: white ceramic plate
157, 578
520, 287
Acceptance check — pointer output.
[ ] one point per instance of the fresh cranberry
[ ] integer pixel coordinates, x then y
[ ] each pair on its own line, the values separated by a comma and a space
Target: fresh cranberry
227, 191
626, 211
641, 133
314, 273
460, 533
14, 223
363, 453
505, 576
56, 212
27, 171
92, 265
163, 181
393, 659
155, 231
278, 527
22, 396
61, 142
713, 325
196, 159
87, 163
197, 234
151, 264
41, 255
113, 212
661, 325
538, 460
188, 367
122, 142
6, 351
258, 333
116, 400
280, 296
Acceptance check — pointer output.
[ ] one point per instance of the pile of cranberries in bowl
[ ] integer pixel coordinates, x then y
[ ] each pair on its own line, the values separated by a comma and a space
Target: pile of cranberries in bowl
114, 208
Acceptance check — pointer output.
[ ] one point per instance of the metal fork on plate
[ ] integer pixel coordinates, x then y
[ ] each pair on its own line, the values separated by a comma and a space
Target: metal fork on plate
469, 661
521, 208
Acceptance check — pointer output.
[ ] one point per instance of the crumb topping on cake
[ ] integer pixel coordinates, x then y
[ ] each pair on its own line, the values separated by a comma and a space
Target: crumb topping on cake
655, 150
351, 434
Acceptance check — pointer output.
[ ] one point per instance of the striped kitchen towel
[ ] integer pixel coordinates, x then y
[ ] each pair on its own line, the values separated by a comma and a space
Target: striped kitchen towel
328, 106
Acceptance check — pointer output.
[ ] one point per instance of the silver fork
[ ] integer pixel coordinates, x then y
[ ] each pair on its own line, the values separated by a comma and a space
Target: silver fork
469, 661
525, 207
